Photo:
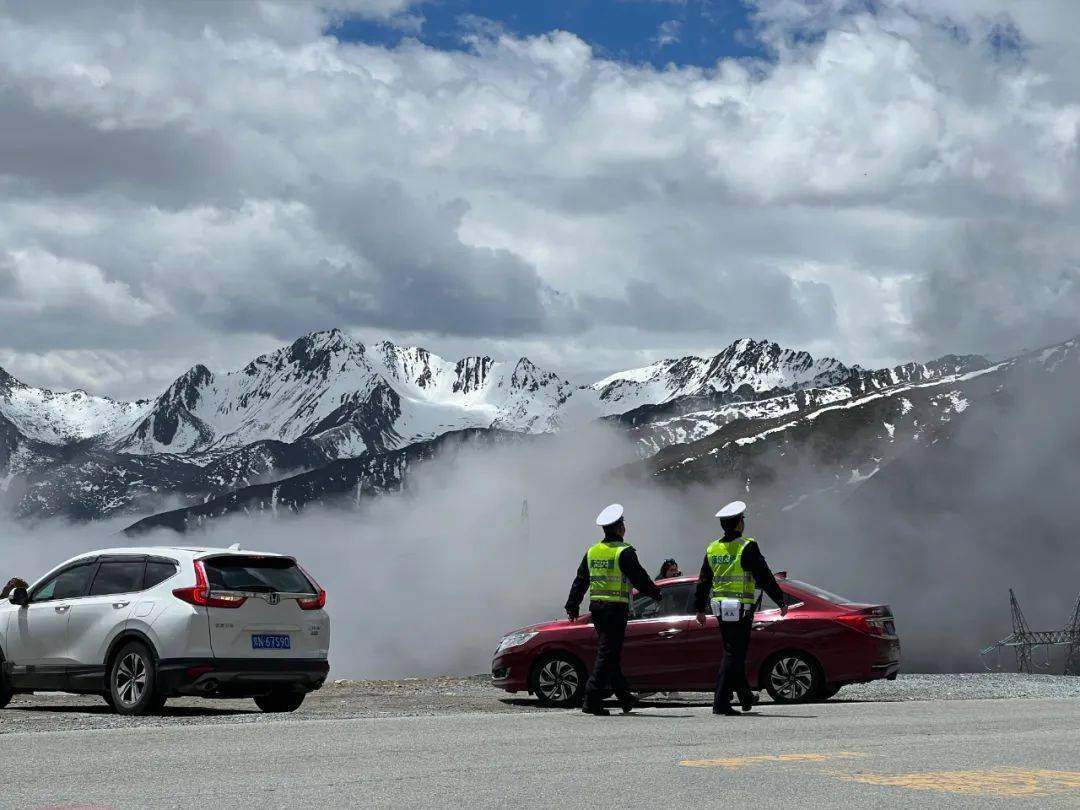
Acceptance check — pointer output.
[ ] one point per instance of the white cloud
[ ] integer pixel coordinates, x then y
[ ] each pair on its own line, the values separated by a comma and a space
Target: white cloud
231, 174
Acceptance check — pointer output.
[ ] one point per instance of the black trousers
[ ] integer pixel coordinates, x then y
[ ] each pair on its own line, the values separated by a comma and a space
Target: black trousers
732, 677
609, 619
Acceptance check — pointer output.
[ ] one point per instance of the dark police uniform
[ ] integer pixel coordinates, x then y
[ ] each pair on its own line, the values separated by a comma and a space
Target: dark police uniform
735, 635
609, 615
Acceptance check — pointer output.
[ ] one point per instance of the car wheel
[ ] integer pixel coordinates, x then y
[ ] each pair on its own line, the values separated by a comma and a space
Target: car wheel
280, 701
793, 677
558, 680
133, 681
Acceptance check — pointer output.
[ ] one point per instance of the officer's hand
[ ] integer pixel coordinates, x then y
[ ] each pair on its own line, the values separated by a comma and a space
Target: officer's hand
572, 615
701, 619
783, 610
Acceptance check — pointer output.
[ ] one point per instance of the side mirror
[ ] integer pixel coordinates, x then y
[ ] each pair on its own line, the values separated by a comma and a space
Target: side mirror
19, 597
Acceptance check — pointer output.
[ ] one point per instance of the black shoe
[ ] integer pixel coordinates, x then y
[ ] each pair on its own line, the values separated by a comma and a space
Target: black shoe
599, 711
727, 711
629, 704
747, 700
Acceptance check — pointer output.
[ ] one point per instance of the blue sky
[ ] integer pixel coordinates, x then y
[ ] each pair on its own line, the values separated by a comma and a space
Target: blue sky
690, 32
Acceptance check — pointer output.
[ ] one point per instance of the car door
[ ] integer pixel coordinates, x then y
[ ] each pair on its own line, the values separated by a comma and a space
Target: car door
706, 646
654, 652
100, 616
37, 633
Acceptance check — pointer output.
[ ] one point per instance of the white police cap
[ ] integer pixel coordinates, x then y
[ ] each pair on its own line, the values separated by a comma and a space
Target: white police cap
732, 510
611, 514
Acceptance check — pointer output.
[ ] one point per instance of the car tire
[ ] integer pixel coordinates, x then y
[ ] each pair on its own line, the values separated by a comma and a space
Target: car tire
558, 680
280, 701
793, 677
133, 680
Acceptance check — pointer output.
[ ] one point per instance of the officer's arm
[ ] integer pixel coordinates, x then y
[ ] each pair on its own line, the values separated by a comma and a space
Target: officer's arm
578, 588
754, 562
704, 586
638, 576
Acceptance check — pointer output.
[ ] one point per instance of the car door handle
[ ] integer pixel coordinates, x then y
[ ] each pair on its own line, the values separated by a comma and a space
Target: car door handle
119, 605
759, 625
62, 608
669, 633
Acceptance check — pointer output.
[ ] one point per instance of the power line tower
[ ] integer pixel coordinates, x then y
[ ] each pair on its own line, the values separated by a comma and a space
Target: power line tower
1022, 635
1072, 632
1024, 640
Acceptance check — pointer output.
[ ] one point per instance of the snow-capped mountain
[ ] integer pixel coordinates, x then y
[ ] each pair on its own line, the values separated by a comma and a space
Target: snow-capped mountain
327, 396
60, 418
348, 398
746, 367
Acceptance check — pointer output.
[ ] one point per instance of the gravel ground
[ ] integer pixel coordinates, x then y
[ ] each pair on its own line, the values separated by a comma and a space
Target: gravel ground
455, 695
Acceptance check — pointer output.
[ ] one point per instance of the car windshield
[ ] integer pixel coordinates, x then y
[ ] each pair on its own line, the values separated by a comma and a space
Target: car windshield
813, 590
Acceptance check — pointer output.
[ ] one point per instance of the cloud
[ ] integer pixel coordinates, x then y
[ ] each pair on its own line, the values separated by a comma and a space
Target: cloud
669, 32
232, 172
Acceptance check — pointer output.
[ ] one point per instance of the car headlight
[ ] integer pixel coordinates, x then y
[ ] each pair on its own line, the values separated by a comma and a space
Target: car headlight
515, 640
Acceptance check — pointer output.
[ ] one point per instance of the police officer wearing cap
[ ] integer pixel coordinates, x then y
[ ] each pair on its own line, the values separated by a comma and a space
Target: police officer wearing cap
609, 570
733, 566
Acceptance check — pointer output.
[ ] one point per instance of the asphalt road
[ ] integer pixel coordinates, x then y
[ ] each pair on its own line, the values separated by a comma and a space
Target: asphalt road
959, 753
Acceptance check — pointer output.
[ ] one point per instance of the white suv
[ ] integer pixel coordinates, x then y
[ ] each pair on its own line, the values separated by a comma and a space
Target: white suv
138, 625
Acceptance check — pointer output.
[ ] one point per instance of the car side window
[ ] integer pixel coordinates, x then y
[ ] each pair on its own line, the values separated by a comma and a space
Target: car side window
118, 576
68, 584
157, 572
675, 602
643, 607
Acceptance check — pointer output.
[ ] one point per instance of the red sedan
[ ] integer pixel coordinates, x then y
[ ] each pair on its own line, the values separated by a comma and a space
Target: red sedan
824, 642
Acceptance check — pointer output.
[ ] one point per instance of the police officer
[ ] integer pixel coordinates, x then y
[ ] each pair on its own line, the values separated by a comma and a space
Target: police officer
608, 571
733, 565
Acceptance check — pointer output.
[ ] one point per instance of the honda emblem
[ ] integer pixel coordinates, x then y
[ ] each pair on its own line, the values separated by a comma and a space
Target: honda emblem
273, 598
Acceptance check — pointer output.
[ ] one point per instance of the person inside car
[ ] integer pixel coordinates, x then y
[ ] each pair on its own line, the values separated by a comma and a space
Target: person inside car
669, 569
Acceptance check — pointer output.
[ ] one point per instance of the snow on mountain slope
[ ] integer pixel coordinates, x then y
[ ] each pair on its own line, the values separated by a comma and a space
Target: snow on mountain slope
60, 418
348, 397
759, 366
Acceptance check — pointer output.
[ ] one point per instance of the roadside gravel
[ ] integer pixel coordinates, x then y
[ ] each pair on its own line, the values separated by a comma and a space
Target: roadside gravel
346, 699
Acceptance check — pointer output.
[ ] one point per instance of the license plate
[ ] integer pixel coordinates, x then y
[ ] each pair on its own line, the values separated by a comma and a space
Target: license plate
265, 641
890, 629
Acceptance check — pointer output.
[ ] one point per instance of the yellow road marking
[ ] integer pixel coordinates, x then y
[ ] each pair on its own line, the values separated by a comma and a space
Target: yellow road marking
1002, 782
758, 759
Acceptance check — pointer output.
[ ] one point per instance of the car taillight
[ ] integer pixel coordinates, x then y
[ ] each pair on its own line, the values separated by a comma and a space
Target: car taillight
199, 594
871, 621
315, 602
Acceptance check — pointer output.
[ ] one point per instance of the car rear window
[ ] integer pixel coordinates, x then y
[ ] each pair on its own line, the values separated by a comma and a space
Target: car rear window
267, 574
813, 590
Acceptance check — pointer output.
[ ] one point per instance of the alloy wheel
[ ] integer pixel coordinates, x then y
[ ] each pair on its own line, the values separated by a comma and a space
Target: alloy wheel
131, 679
792, 677
558, 680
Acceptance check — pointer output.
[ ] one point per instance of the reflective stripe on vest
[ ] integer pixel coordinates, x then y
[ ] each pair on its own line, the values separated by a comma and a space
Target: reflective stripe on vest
606, 581
730, 581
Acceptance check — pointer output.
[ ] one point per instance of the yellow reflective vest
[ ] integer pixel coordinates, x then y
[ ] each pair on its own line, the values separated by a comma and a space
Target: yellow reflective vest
730, 581
606, 580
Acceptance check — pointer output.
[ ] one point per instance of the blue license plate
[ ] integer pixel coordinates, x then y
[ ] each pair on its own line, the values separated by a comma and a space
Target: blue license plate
269, 641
